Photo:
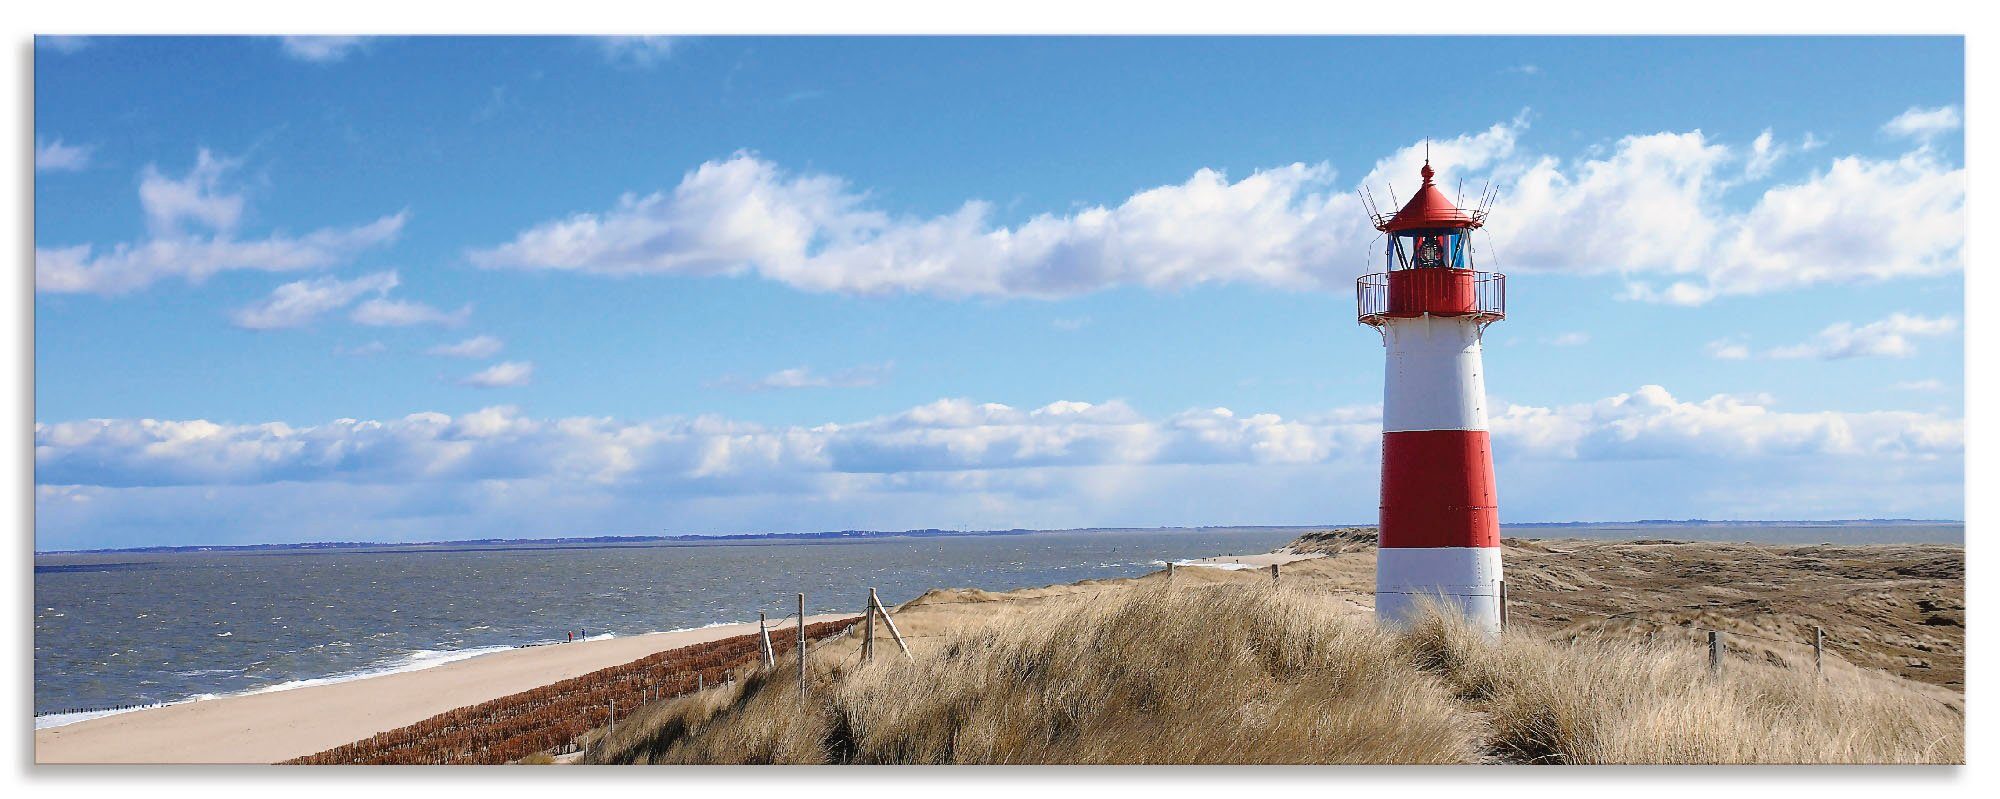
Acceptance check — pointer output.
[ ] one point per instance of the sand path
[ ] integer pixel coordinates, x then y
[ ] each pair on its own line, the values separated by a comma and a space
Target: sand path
1263, 560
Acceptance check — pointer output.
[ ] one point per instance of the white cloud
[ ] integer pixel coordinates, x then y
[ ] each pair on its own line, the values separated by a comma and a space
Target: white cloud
811, 232
385, 312
637, 51
1765, 153
197, 197
191, 222
55, 156
946, 435
1062, 464
1656, 208
299, 303
805, 377
1728, 350
1924, 124
475, 347
321, 49
1651, 423
501, 375
1887, 338
1574, 338
1919, 385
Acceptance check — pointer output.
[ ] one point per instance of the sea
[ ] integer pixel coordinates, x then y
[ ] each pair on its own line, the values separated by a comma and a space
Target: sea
124, 629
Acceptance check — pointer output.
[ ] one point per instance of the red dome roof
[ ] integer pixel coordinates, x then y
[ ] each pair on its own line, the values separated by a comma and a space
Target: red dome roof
1429, 209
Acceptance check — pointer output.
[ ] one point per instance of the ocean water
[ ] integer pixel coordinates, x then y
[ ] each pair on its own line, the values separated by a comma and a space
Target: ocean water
129, 628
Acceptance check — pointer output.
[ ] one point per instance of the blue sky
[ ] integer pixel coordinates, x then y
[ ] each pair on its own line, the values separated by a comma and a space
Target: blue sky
583, 286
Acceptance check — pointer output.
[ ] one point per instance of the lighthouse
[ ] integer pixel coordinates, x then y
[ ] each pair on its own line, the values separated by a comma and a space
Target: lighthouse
1440, 529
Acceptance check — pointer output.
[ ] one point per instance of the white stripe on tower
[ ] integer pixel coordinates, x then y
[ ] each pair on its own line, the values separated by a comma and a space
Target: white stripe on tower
1434, 380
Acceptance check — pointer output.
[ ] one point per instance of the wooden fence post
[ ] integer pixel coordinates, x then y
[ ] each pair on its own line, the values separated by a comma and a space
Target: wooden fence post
764, 642
1170, 572
700, 682
875, 605
868, 629
1819, 649
1503, 606
802, 646
614, 717
1714, 652
1274, 573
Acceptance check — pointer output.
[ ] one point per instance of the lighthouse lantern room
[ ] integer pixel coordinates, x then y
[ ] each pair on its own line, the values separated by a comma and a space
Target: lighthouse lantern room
1440, 530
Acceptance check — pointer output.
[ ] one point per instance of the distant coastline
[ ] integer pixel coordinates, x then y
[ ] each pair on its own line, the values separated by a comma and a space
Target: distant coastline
852, 535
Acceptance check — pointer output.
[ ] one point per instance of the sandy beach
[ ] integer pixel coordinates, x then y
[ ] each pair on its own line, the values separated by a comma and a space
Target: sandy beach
275, 726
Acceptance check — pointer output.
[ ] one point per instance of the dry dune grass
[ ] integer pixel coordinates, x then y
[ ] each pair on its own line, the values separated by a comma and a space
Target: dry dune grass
1614, 701
1221, 675
1243, 673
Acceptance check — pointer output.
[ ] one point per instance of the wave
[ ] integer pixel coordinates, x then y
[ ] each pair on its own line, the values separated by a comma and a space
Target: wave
411, 661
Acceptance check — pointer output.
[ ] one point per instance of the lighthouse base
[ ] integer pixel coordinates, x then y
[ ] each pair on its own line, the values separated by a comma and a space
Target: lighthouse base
1466, 579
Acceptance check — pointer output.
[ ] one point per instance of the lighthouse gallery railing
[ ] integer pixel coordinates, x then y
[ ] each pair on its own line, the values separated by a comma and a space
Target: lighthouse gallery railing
1487, 301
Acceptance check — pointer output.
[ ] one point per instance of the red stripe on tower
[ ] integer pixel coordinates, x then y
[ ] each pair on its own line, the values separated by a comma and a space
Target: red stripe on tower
1437, 489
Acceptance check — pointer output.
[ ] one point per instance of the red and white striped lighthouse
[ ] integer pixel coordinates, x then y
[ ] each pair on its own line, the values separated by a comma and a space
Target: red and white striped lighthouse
1440, 529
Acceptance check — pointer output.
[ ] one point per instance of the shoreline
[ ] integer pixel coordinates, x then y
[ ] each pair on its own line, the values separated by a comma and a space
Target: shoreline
268, 726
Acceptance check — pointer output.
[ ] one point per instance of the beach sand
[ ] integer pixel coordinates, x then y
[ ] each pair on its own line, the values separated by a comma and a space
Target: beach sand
275, 726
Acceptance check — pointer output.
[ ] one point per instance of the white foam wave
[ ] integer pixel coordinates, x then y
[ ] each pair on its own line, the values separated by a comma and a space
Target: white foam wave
413, 661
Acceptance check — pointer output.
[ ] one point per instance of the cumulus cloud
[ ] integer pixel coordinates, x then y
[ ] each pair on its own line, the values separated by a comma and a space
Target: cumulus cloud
501, 375
321, 49
1661, 209
637, 51
1061, 464
946, 435
1924, 124
301, 302
747, 215
804, 377
191, 222
386, 312
1651, 423
475, 347
55, 156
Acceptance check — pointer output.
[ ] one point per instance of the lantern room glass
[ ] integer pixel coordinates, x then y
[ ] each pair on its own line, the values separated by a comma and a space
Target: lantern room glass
1442, 248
